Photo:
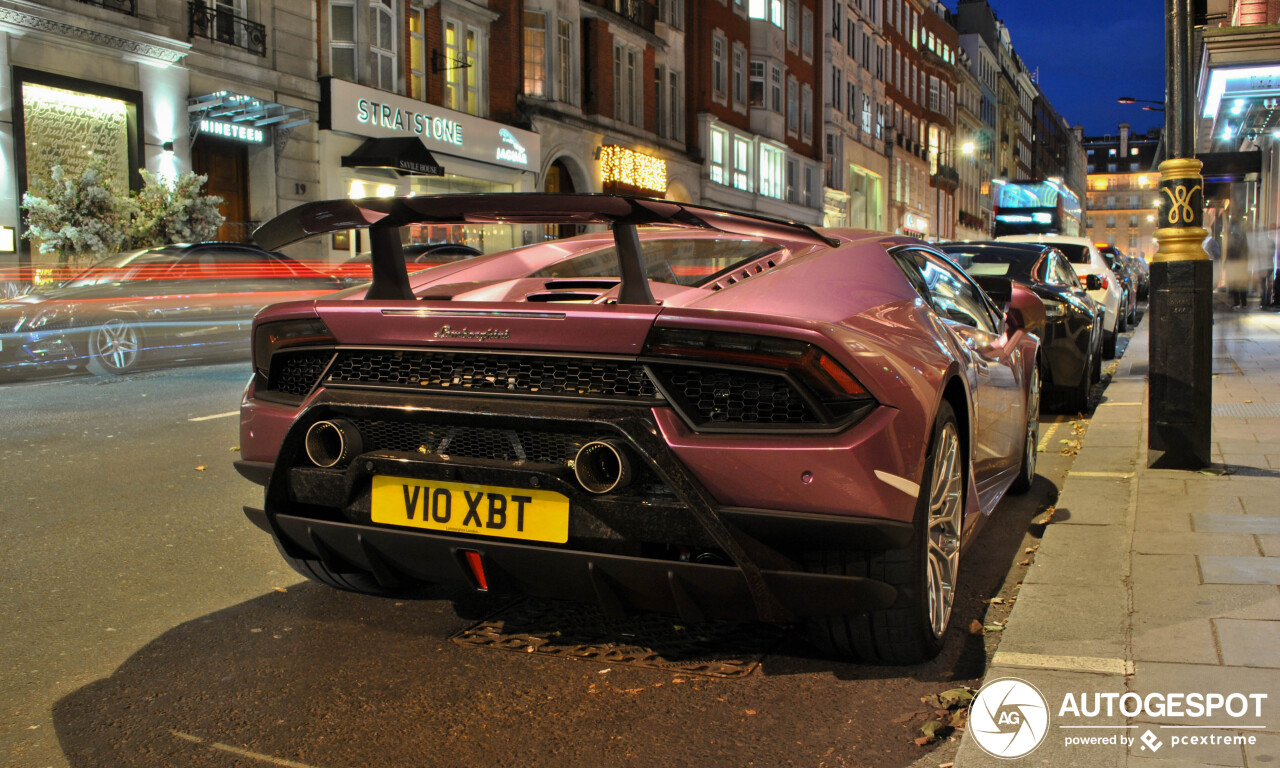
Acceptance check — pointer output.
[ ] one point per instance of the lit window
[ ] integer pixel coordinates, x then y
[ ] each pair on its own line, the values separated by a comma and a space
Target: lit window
382, 44
564, 62
417, 56
772, 172
741, 163
535, 53
718, 170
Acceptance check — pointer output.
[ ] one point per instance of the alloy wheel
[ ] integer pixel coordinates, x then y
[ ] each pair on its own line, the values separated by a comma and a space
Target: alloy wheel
945, 518
116, 345
1033, 422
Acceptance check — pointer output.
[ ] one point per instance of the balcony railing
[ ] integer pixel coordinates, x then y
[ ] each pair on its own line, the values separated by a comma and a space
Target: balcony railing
129, 7
225, 27
638, 12
947, 177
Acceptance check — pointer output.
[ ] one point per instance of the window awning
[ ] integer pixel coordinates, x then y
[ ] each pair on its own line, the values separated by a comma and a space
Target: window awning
237, 108
406, 155
1230, 166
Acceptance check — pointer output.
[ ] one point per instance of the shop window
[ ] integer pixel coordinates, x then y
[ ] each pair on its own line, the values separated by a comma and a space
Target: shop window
772, 170
382, 44
535, 53
741, 163
718, 170
342, 40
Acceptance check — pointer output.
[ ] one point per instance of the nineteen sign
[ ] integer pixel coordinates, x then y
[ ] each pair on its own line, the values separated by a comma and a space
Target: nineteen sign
245, 133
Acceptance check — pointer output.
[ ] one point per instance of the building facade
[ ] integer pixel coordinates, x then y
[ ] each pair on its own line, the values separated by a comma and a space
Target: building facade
1120, 207
855, 145
167, 86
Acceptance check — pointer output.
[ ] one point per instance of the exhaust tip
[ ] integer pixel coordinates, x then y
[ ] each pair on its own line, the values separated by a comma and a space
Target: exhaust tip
602, 466
332, 443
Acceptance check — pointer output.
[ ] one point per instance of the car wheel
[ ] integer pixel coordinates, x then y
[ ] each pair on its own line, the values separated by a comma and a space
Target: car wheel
1109, 344
1076, 399
116, 346
924, 573
1096, 374
1027, 472
1122, 322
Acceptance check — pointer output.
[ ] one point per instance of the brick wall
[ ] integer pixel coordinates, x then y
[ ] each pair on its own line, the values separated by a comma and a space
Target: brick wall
506, 59
597, 68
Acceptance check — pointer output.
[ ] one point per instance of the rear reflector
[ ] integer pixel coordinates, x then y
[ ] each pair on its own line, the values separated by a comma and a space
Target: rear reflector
476, 566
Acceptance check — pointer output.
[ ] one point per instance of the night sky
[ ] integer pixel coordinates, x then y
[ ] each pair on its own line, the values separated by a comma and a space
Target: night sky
1091, 52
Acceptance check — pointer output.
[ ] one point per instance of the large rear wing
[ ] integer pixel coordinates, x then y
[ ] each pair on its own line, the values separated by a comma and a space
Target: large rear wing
384, 216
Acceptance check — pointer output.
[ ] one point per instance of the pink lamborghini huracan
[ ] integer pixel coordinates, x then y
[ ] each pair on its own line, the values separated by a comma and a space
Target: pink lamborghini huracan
697, 412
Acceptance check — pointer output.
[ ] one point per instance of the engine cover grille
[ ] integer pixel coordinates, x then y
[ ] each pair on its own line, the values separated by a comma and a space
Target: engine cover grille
499, 374
711, 396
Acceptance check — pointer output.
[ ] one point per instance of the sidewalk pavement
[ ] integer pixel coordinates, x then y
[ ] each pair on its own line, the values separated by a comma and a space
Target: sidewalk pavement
1160, 580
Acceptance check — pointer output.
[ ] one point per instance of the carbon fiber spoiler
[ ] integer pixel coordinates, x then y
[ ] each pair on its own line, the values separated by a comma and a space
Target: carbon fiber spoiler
384, 216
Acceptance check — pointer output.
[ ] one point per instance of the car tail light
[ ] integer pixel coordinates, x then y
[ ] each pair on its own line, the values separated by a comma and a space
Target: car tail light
269, 338
811, 366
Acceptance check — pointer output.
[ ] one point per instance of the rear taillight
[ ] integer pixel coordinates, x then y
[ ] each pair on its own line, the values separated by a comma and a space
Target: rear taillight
271, 337
826, 378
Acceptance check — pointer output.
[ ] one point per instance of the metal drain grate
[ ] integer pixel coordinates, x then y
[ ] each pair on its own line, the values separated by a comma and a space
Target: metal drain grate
572, 631
1248, 410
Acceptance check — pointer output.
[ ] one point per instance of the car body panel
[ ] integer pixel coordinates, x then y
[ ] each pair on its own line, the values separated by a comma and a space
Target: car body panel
835, 296
1110, 296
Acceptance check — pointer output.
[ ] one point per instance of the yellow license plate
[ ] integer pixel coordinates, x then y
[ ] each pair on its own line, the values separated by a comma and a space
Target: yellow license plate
512, 513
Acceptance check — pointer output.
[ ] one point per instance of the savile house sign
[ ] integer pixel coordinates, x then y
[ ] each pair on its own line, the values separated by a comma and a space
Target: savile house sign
355, 109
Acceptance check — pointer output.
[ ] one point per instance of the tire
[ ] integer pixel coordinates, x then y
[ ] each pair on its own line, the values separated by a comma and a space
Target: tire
1076, 398
1096, 374
1031, 436
925, 573
1109, 344
116, 345
1122, 321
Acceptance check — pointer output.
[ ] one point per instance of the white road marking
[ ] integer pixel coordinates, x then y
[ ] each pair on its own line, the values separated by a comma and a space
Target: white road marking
901, 483
241, 752
1107, 666
1121, 475
215, 416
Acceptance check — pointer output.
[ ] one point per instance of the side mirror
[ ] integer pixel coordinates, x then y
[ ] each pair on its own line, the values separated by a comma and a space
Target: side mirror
1092, 283
1024, 312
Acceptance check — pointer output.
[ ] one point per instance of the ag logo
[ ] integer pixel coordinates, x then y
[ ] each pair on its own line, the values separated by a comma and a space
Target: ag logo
1009, 718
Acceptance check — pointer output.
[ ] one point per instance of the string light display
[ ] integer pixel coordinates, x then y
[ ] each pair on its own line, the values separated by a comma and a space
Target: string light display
627, 167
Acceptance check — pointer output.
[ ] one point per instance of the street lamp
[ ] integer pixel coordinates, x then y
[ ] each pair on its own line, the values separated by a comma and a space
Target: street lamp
1159, 105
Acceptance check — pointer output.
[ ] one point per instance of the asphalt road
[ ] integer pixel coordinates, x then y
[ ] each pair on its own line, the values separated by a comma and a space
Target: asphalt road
146, 622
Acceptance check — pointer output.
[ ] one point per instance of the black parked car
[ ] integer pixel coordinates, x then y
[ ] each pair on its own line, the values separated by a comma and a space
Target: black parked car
1071, 345
192, 302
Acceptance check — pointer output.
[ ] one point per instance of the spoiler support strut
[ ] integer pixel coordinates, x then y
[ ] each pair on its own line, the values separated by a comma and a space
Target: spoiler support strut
390, 273
631, 267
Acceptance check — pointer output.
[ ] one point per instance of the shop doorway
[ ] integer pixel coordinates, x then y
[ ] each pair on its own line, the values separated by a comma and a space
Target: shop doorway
558, 180
227, 166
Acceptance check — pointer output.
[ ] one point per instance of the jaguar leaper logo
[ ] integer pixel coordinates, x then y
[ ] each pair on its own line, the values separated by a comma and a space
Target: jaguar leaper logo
448, 332
515, 152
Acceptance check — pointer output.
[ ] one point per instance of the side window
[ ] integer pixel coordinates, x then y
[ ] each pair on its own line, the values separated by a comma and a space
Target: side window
1067, 274
951, 295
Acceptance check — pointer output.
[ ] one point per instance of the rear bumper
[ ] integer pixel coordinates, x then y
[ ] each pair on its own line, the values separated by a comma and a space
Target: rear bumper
617, 583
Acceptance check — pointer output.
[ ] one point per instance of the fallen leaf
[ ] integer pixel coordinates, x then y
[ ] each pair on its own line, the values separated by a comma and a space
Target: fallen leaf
993, 627
923, 740
632, 691
956, 697
234, 448
1029, 550
604, 671
906, 717
750, 711
975, 627
995, 601
931, 729
280, 589
201, 468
